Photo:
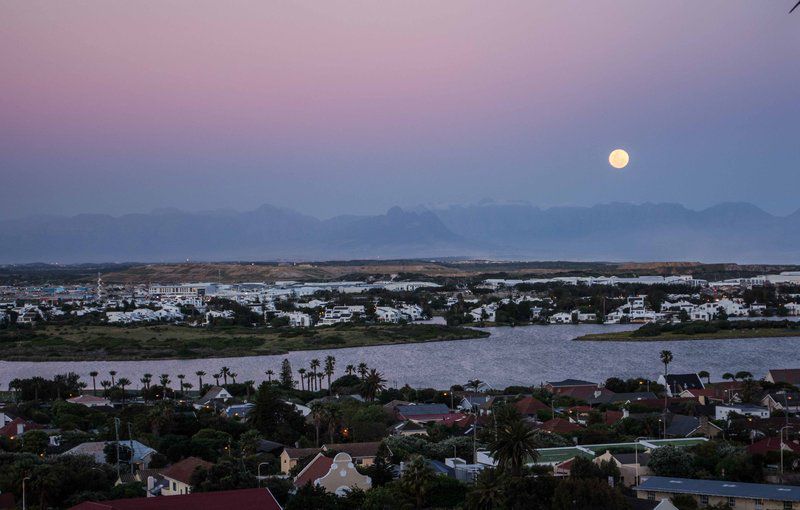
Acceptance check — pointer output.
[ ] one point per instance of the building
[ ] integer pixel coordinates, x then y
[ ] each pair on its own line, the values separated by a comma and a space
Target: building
290, 457
723, 411
90, 401
337, 475
240, 499
142, 454
559, 387
784, 375
738, 495
675, 384
178, 477
632, 466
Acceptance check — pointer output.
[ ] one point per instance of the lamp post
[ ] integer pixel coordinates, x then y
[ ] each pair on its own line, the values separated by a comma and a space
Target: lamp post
780, 444
24, 500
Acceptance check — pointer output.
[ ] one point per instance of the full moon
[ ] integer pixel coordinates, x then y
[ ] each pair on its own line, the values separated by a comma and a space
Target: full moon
618, 158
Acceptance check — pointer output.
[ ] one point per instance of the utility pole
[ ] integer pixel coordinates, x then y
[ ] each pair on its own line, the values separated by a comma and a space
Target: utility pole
116, 433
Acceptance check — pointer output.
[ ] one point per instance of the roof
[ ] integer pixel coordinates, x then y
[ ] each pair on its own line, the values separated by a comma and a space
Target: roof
560, 426
566, 383
213, 393
355, 450
241, 499
422, 409
682, 425
10, 428
88, 399
182, 470
529, 406
317, 468
631, 458
788, 375
720, 488
299, 453
95, 449
772, 444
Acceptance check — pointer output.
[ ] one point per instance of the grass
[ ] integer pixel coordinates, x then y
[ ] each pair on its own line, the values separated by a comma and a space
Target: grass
80, 343
718, 330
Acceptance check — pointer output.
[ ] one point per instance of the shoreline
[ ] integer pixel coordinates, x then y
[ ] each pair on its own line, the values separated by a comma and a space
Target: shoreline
331, 339
755, 334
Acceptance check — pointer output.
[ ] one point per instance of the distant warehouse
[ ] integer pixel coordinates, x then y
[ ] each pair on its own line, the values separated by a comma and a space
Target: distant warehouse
747, 496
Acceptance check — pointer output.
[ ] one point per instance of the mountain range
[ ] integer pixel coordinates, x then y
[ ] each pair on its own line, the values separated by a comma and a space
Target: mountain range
729, 232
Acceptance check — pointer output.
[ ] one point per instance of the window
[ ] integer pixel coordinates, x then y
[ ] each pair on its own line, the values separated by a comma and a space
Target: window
704, 500
731, 502
174, 486
787, 505
651, 496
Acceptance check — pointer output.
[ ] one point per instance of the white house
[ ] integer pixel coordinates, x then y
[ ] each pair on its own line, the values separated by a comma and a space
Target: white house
723, 411
387, 314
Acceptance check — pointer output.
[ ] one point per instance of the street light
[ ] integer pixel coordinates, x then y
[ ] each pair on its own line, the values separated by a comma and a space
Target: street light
24, 501
780, 444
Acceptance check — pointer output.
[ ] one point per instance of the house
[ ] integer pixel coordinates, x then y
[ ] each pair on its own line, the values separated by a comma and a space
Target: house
676, 383
484, 313
18, 427
773, 444
142, 454
632, 466
290, 457
782, 401
363, 454
388, 314
337, 475
215, 397
560, 318
680, 425
529, 407
178, 477
784, 375
558, 387
239, 411
422, 412
409, 428
471, 403
723, 411
240, 499
737, 495
90, 401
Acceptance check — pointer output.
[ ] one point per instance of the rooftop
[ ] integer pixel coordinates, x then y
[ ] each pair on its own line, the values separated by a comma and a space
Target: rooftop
720, 488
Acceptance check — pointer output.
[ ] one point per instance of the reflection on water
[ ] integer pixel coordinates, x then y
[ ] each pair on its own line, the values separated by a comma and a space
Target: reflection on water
522, 355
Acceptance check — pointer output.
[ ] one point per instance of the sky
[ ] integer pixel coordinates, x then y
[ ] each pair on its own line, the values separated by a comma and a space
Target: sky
351, 107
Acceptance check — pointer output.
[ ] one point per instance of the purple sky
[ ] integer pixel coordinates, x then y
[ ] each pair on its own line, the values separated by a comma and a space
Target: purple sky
335, 107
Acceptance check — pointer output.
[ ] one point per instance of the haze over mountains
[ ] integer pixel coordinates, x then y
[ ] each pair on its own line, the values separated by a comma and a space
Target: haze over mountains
734, 232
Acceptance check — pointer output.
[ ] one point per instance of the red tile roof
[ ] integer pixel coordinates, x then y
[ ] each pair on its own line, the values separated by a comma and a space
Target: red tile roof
241, 499
10, 428
788, 375
560, 426
182, 470
772, 444
317, 468
528, 406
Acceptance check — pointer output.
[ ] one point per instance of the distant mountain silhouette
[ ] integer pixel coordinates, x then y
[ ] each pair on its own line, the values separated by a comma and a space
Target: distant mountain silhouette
731, 232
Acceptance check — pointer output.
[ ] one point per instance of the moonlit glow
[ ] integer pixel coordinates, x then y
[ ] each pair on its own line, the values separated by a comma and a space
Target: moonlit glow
618, 158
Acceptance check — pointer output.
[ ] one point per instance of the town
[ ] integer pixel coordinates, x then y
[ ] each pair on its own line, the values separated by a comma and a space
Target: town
327, 436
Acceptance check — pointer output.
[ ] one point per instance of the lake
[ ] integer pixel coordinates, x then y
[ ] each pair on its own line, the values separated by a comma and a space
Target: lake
510, 356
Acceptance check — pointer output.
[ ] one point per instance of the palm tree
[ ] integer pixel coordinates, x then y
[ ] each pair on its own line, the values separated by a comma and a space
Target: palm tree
514, 445
233, 376
666, 359
330, 365
93, 374
487, 491
147, 379
216, 379
302, 372
320, 377
145, 384
704, 374
314, 366
350, 369
225, 371
334, 416
317, 415
269, 373
362, 370
113, 373
106, 385
474, 384
181, 377
416, 479
248, 385
123, 381
373, 384
164, 380
200, 375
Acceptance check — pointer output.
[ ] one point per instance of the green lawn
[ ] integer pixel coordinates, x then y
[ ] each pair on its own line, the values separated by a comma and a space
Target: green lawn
53, 342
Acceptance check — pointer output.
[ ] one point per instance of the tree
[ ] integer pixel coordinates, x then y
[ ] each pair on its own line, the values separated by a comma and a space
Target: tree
684, 502
728, 376
106, 385
35, 441
275, 419
233, 376
514, 446
362, 370
93, 374
416, 479
474, 384
330, 364
317, 415
113, 374
122, 382
164, 380
181, 377
312, 496
225, 371
314, 366
487, 493
350, 369
373, 384
216, 378
200, 375
671, 461
286, 374
302, 372
269, 373
587, 494
705, 375
666, 359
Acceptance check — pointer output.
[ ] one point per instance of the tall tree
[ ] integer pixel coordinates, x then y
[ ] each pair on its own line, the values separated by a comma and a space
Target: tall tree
225, 371
314, 365
514, 446
287, 381
302, 372
122, 382
269, 373
666, 359
93, 374
200, 374
113, 374
416, 480
373, 384
330, 365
